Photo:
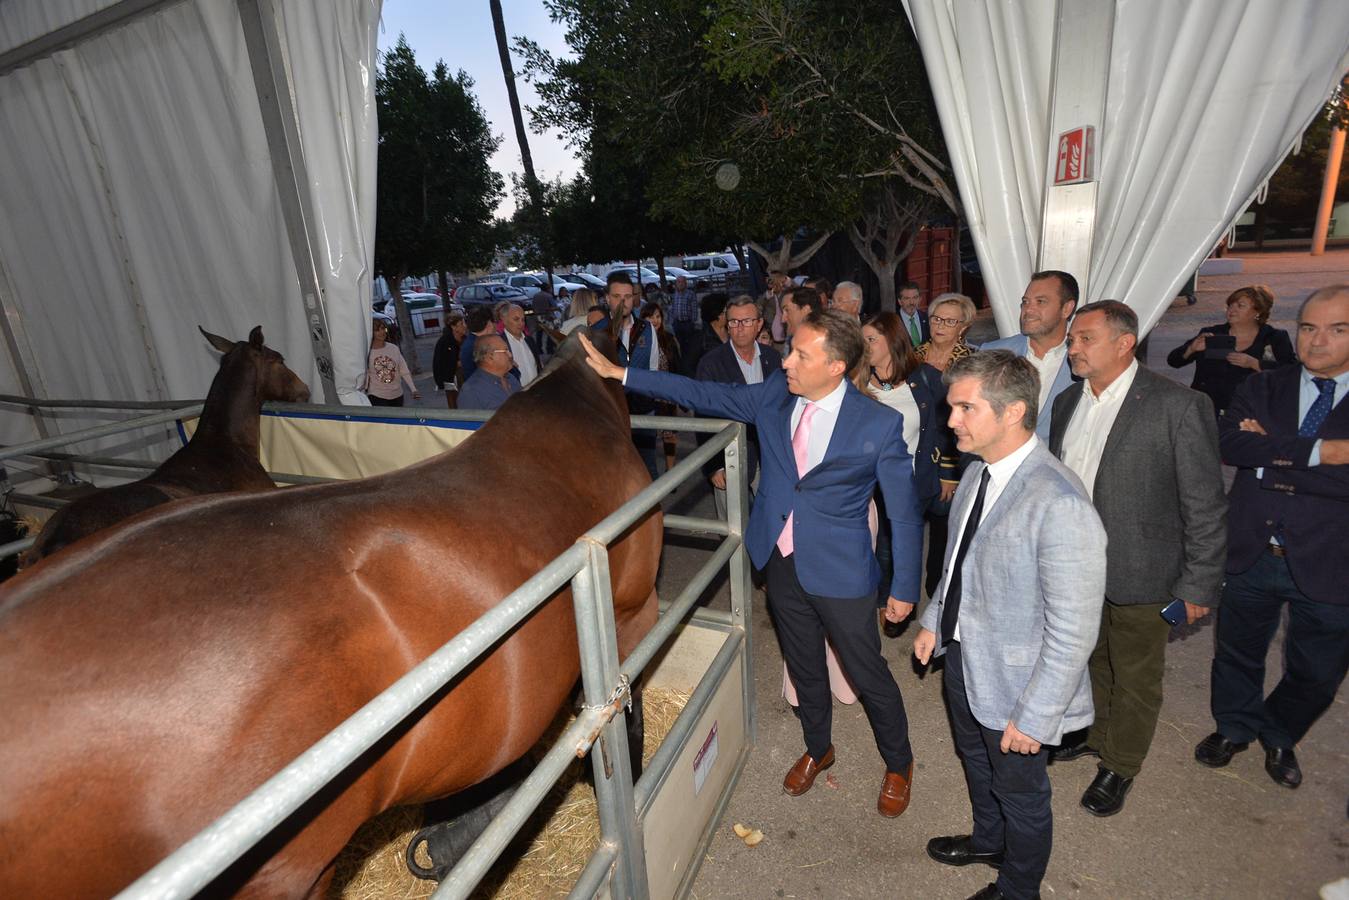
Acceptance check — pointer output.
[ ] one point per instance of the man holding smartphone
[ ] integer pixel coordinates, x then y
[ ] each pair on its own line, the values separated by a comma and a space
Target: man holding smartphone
1146, 450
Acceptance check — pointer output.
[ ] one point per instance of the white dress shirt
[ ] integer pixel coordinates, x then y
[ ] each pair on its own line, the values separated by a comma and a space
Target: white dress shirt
822, 425
1048, 366
1089, 428
752, 370
999, 474
524, 359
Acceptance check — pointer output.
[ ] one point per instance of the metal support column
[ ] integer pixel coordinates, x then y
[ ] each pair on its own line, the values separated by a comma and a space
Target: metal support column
1082, 38
597, 635
276, 101
742, 591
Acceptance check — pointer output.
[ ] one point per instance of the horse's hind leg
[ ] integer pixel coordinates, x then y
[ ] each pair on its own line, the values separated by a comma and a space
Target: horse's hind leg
453, 824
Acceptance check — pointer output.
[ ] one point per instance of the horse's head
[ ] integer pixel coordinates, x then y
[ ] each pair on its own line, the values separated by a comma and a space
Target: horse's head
274, 380
571, 356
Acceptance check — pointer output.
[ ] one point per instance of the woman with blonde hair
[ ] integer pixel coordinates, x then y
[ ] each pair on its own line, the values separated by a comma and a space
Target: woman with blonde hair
582, 301
949, 317
1248, 344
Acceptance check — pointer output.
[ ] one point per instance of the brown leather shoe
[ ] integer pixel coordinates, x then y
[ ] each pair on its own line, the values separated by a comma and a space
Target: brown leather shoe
802, 775
894, 797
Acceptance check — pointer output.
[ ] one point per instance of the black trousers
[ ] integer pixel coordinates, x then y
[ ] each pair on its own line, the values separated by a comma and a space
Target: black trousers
381, 401
1315, 655
803, 621
1009, 792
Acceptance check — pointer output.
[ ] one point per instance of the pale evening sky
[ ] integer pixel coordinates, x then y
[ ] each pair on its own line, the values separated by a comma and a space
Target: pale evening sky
460, 32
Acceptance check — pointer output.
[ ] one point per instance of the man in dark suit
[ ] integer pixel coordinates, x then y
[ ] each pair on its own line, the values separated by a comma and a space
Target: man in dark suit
741, 360
913, 318
637, 343
1287, 431
824, 449
1146, 450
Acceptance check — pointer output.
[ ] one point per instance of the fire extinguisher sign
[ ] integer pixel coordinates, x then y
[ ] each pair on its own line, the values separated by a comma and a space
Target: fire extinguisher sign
1076, 160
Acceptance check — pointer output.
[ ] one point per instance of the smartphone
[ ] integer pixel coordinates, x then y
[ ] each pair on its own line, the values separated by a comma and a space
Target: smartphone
1217, 346
1174, 612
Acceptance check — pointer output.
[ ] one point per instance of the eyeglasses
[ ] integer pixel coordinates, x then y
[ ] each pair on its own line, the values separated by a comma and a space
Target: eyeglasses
743, 323
950, 323
495, 352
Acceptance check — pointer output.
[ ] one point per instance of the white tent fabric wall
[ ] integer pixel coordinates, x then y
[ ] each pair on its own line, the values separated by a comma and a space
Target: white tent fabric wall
1204, 100
138, 199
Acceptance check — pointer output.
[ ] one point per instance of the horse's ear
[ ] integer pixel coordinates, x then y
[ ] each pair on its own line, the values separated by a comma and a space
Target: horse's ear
224, 345
255, 337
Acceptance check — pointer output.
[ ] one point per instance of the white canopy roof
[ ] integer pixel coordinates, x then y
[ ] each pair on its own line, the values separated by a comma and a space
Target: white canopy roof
174, 163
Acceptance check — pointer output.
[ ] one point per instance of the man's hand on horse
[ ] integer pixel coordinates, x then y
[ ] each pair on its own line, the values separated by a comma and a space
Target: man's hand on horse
599, 362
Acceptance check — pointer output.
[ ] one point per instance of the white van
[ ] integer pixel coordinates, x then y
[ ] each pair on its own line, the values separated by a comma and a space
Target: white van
715, 265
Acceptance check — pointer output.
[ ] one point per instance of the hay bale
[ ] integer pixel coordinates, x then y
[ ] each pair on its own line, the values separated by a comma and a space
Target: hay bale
552, 847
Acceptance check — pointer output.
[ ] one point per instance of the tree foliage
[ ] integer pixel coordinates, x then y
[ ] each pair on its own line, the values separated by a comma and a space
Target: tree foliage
752, 117
436, 190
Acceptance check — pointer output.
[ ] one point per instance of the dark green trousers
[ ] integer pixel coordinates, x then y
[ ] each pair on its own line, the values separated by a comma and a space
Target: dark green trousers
1126, 684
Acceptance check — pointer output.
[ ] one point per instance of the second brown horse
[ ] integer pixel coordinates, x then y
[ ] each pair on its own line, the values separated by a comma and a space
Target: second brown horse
155, 674
221, 456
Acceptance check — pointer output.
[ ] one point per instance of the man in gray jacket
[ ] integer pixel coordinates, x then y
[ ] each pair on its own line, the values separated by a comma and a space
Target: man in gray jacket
1146, 449
1016, 615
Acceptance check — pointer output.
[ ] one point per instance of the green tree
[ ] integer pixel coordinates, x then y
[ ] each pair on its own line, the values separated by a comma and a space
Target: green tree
436, 190
758, 117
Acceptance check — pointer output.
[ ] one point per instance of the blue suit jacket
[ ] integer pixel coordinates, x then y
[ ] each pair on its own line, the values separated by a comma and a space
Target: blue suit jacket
833, 551
1020, 345
1311, 502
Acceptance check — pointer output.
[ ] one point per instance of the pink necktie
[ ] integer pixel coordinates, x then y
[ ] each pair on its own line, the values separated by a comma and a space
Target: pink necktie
800, 443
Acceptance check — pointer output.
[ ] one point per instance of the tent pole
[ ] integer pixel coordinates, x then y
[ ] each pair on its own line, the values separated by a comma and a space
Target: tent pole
281, 124
102, 21
1082, 38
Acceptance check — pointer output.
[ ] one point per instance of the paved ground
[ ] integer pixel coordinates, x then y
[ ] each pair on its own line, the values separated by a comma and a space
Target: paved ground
1186, 832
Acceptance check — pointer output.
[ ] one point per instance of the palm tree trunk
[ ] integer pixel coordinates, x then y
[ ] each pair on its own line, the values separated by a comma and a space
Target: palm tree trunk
526, 159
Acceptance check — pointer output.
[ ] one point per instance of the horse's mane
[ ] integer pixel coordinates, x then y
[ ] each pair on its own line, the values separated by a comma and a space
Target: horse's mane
570, 351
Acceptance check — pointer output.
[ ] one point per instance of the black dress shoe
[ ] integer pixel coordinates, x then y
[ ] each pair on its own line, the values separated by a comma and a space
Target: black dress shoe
958, 850
1282, 766
1215, 751
1105, 795
992, 893
1070, 751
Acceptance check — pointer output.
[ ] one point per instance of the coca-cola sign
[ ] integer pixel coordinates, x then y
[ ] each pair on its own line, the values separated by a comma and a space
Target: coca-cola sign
1076, 157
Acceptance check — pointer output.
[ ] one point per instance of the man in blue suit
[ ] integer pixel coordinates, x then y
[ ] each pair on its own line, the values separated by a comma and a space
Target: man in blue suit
824, 448
1046, 309
1287, 432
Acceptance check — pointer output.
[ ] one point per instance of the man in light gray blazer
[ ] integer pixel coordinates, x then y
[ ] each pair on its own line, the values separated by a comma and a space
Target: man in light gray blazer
1146, 449
1016, 616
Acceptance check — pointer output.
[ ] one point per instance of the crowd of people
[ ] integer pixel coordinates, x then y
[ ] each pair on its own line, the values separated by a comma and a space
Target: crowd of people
1072, 502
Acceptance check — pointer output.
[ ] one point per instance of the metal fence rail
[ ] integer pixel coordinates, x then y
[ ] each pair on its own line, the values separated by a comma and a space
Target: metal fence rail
620, 857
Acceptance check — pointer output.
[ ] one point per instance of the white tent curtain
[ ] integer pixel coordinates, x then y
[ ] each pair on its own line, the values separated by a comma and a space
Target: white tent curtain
1204, 99
138, 199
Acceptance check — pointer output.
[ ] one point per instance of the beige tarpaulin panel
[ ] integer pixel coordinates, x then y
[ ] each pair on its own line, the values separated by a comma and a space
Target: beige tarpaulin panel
330, 446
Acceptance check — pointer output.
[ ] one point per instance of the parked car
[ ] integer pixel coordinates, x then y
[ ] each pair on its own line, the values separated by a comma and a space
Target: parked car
585, 279
490, 293
697, 282
649, 279
415, 300
713, 266
562, 285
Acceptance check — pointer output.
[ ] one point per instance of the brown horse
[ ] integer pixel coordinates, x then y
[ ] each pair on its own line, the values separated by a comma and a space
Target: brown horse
153, 675
221, 456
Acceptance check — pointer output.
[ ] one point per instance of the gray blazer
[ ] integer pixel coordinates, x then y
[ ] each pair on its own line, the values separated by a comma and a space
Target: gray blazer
1034, 583
1159, 491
